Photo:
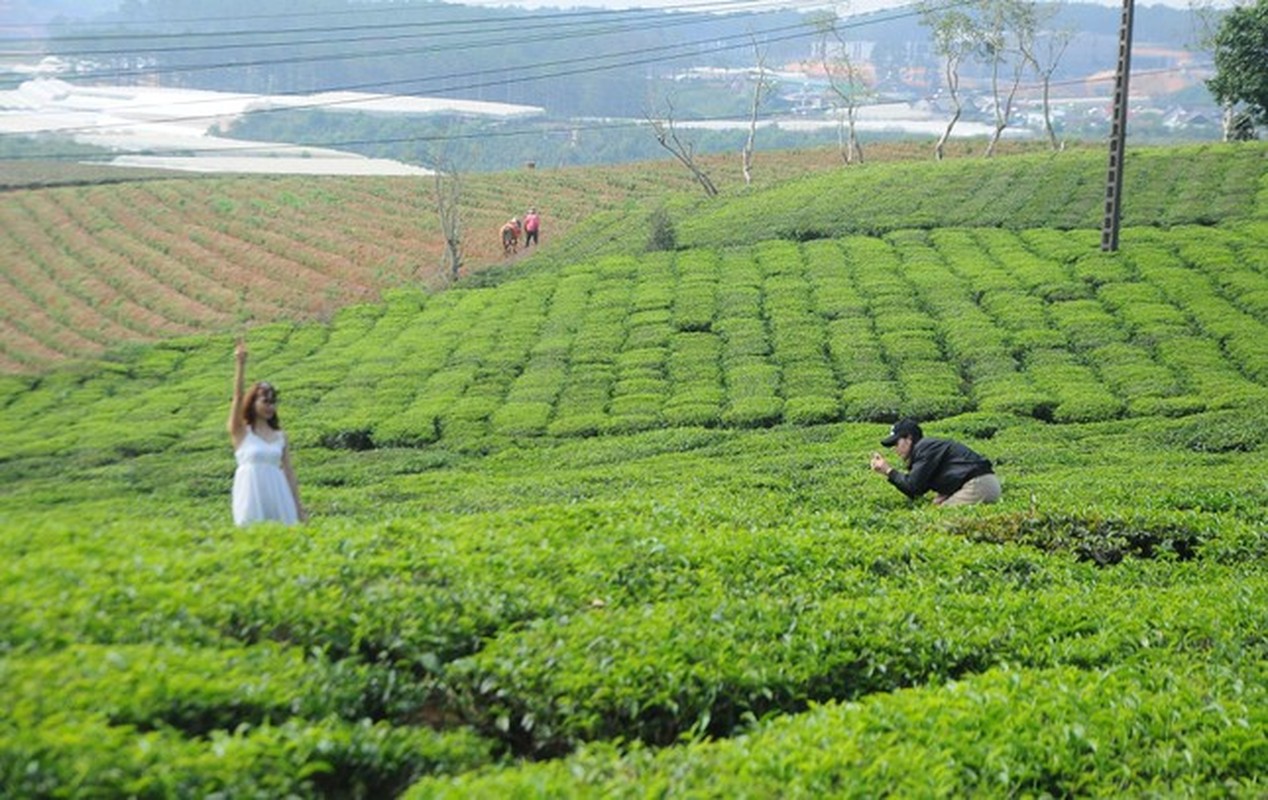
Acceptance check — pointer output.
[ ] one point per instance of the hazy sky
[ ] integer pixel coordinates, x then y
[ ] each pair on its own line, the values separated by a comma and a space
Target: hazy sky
850, 7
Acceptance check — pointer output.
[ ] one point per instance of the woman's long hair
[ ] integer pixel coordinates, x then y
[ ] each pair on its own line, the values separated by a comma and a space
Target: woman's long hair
248, 404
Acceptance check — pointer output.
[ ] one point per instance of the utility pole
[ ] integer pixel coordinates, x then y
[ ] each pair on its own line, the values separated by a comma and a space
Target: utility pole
1118, 133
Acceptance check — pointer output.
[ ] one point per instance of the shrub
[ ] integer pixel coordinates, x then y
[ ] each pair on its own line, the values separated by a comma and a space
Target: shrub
575, 424
687, 414
871, 401
661, 235
811, 410
636, 404
752, 378
408, 429
1244, 430
632, 421
1090, 536
351, 439
758, 411
521, 419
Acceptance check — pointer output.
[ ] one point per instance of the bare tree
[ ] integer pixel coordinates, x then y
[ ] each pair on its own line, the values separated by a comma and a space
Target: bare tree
846, 82
667, 135
954, 37
761, 87
1044, 52
447, 182
1007, 30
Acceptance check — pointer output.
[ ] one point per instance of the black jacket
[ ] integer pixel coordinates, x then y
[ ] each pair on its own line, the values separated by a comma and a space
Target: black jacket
941, 465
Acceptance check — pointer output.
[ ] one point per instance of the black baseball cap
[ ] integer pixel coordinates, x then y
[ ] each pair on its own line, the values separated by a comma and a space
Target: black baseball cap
903, 427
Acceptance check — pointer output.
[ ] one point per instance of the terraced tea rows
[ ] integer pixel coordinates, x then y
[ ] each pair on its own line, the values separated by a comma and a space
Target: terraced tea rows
1162, 187
90, 268
1036, 323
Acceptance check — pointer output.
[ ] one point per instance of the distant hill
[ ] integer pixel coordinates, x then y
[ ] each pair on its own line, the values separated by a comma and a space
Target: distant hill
596, 74
1094, 48
578, 63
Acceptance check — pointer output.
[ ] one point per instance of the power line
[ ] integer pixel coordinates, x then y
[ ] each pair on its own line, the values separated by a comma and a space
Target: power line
636, 57
247, 147
444, 28
361, 11
641, 55
548, 35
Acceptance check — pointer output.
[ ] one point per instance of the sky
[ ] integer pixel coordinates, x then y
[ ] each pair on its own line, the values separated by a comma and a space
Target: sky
848, 7
29, 12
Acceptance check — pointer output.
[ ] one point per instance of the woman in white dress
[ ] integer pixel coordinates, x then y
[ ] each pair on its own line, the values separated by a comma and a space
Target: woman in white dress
264, 485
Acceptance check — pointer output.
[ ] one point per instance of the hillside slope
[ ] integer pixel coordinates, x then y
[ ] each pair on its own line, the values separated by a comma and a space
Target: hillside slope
1162, 187
90, 268
1036, 323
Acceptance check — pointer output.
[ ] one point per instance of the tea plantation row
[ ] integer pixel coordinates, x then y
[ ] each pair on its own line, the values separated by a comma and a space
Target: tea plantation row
1164, 187
1037, 323
454, 611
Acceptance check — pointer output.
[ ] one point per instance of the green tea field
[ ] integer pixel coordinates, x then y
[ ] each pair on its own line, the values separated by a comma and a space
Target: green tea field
96, 258
601, 524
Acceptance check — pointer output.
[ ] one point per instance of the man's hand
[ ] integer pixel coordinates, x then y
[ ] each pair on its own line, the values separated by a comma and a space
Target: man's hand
879, 464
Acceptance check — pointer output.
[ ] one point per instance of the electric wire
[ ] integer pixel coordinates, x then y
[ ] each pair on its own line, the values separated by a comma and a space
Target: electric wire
705, 6
636, 56
560, 126
488, 28
172, 69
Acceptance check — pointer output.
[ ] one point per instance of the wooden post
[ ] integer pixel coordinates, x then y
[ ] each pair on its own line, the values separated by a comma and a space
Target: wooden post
1118, 134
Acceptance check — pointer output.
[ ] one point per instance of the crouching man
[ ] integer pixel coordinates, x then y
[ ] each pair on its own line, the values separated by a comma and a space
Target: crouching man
958, 475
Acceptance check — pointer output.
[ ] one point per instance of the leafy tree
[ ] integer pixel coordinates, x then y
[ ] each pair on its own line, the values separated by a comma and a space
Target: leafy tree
845, 80
1241, 69
954, 37
762, 86
663, 235
1044, 51
1006, 32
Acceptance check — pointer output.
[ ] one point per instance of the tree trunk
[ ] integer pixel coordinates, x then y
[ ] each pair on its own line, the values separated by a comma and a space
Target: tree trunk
668, 139
952, 70
1003, 108
448, 195
842, 150
946, 134
746, 155
856, 149
1047, 112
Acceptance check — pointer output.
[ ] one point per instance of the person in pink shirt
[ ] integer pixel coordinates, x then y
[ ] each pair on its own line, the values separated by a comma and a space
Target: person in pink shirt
532, 223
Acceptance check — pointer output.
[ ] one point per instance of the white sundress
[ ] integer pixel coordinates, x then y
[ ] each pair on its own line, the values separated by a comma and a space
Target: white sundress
260, 490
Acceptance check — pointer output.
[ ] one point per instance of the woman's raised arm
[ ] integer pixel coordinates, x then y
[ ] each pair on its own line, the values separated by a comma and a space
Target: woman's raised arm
237, 424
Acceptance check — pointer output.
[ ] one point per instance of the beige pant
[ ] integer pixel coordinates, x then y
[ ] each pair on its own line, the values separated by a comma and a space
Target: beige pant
982, 489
